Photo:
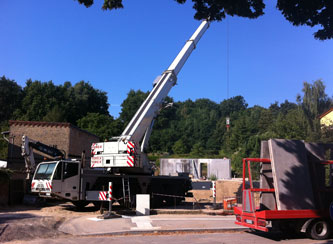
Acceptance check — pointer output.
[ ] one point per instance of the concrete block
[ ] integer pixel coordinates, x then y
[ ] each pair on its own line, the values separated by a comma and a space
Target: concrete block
291, 174
142, 204
317, 152
267, 199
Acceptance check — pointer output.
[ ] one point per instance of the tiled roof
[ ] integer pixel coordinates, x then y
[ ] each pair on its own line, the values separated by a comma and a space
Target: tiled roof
39, 123
46, 124
326, 113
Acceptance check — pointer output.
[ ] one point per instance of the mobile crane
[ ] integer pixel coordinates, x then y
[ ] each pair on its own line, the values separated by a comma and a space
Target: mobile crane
122, 160
123, 153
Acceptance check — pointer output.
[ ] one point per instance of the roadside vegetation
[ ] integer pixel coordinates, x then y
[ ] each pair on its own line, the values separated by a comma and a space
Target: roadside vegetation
186, 129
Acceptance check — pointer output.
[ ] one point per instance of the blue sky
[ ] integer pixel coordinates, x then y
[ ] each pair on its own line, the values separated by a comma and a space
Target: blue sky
125, 49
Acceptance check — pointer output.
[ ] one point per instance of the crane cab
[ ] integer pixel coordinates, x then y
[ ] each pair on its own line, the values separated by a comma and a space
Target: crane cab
57, 179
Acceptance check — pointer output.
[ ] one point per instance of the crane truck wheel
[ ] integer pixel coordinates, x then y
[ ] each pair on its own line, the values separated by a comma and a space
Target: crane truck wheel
80, 204
319, 229
97, 204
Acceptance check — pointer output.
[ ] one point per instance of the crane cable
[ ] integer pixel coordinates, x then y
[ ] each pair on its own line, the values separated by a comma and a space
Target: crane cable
227, 58
228, 67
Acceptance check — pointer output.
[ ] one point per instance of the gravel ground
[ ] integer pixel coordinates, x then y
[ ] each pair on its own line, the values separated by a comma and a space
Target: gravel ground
24, 223
27, 223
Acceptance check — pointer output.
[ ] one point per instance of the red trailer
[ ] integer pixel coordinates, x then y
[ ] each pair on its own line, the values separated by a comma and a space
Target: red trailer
317, 224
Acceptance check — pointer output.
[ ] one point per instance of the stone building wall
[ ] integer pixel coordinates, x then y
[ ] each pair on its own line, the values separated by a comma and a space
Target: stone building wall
63, 136
80, 140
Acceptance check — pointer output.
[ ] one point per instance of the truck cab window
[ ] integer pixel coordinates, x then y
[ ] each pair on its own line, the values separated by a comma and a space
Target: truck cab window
44, 171
57, 174
70, 169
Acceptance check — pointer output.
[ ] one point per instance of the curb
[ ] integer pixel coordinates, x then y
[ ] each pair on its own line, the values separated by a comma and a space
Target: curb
157, 232
194, 211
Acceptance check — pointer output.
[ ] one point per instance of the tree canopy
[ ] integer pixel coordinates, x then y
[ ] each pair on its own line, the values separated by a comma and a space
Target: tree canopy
44, 101
298, 12
11, 95
186, 129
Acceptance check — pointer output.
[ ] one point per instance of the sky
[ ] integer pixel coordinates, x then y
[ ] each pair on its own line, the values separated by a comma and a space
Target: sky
119, 50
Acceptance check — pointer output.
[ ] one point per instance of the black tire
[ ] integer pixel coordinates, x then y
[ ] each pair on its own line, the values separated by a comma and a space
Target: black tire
80, 204
319, 229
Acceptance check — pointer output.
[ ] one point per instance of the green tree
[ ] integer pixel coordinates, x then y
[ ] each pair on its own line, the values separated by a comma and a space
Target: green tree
131, 104
197, 150
298, 12
101, 125
3, 144
11, 95
286, 106
180, 147
310, 13
314, 102
293, 125
56, 114
165, 131
232, 105
39, 99
63, 103
266, 120
83, 99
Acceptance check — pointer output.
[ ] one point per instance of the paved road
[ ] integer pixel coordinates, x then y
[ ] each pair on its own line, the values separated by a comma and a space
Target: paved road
127, 224
226, 238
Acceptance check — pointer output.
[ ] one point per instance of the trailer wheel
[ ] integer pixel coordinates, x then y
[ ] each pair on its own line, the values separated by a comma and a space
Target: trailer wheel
319, 230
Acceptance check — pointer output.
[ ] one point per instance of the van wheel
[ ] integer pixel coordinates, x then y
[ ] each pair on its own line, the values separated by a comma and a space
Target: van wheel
319, 229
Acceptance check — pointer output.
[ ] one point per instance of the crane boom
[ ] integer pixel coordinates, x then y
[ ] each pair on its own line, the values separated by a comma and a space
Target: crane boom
143, 118
123, 152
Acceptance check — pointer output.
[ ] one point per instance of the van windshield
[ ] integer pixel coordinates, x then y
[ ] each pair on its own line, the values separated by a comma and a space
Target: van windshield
44, 171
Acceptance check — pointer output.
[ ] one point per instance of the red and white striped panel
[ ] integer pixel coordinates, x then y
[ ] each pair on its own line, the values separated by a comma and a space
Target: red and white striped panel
48, 185
110, 191
214, 188
131, 152
102, 195
93, 149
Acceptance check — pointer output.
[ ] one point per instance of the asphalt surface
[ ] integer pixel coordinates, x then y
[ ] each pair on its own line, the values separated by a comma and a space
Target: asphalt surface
147, 224
209, 238
86, 227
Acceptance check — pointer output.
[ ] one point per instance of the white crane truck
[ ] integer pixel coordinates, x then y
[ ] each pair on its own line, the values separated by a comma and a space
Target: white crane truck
122, 160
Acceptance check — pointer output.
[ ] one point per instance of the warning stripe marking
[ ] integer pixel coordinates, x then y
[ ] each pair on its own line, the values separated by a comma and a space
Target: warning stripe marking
48, 185
110, 191
130, 161
102, 195
105, 195
131, 144
131, 149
